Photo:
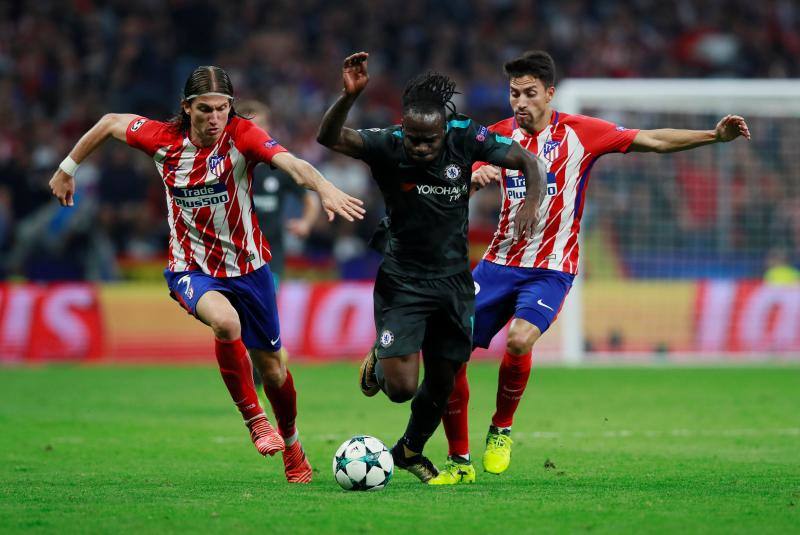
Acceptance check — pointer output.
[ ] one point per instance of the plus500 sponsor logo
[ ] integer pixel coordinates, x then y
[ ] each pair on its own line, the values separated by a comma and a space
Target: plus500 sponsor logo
515, 186
201, 196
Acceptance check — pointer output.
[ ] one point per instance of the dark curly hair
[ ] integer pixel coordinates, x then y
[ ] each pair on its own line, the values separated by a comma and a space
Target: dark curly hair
430, 93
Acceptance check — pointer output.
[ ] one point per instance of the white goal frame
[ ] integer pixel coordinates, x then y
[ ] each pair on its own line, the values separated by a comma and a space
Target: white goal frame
762, 97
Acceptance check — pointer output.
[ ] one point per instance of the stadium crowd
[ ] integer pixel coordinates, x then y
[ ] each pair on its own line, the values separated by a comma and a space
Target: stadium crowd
62, 64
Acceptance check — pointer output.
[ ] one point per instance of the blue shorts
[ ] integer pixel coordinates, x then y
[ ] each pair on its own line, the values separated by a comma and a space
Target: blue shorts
532, 294
252, 295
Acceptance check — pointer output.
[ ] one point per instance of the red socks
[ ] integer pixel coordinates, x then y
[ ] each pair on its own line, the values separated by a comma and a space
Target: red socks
284, 404
237, 372
454, 419
511, 382
513, 378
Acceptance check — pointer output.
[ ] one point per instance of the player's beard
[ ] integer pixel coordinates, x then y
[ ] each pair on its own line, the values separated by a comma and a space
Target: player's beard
525, 120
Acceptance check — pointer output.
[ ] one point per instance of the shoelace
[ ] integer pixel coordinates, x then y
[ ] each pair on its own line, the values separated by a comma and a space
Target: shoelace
497, 441
454, 468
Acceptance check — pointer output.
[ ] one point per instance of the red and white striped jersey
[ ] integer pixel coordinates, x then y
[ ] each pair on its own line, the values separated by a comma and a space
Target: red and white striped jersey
213, 227
569, 146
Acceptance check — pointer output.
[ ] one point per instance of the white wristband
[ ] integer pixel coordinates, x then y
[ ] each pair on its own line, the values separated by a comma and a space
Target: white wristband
69, 166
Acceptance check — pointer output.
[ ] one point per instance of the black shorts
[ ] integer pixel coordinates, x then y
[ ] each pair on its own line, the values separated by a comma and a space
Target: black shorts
432, 315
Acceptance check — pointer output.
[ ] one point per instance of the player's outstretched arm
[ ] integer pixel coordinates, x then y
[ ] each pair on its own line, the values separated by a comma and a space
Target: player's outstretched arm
535, 187
334, 201
110, 125
332, 132
673, 140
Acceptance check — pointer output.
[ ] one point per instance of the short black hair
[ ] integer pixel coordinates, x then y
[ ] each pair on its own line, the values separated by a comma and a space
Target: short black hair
431, 92
536, 63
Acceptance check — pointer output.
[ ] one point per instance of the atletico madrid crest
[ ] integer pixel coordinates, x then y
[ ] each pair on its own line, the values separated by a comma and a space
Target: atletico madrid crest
216, 164
550, 150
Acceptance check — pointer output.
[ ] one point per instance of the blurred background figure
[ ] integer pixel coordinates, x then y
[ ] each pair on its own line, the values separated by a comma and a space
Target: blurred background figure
779, 271
62, 64
654, 228
276, 195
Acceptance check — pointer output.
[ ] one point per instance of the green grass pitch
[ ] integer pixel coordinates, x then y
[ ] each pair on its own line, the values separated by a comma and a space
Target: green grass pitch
628, 450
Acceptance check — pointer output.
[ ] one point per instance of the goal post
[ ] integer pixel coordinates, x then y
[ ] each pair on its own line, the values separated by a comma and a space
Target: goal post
680, 255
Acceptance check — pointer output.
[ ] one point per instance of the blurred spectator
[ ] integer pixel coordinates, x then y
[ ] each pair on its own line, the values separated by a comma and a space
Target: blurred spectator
780, 271
273, 189
61, 63
6, 221
53, 243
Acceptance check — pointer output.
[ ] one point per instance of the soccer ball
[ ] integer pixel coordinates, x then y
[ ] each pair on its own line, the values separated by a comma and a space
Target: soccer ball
363, 463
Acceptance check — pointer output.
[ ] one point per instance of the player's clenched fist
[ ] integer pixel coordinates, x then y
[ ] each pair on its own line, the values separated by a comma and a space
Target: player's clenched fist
354, 73
485, 175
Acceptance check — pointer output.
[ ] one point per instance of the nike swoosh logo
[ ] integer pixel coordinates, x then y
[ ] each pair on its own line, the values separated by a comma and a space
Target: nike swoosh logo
273, 342
540, 303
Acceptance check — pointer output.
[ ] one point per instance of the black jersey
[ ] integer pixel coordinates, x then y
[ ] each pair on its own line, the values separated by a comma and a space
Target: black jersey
271, 188
427, 207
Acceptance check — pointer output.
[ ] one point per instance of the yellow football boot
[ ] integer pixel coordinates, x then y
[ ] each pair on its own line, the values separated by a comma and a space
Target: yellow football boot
454, 473
497, 456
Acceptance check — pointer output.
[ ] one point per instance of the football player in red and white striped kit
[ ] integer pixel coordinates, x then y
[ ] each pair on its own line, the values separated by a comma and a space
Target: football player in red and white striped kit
527, 279
218, 259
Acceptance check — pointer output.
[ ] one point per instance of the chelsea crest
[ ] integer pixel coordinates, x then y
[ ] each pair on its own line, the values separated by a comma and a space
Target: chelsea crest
452, 172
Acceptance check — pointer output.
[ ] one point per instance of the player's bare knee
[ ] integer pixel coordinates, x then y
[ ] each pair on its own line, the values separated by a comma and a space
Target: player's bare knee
400, 396
400, 391
274, 377
519, 343
271, 368
226, 327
